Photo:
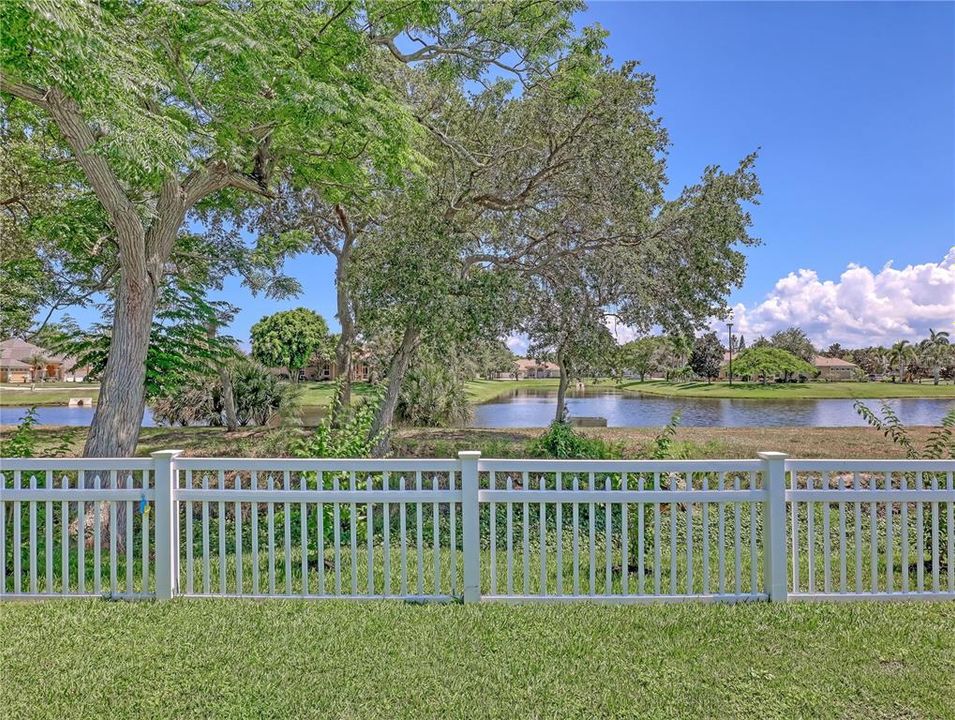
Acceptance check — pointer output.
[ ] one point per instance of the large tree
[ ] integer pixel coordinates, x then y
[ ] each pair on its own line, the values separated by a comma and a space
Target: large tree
290, 339
765, 363
707, 356
937, 350
794, 340
640, 355
165, 106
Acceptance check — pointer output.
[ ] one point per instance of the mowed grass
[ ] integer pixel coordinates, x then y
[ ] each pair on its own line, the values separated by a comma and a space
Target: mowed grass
792, 391
239, 658
46, 393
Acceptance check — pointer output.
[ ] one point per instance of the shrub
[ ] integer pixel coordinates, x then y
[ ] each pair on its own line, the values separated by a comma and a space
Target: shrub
350, 439
24, 442
259, 396
562, 442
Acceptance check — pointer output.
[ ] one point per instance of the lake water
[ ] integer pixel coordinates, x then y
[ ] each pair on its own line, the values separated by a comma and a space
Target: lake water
536, 407
59, 415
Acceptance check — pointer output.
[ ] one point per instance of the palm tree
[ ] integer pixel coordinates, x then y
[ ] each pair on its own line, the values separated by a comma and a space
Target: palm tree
938, 347
37, 363
901, 351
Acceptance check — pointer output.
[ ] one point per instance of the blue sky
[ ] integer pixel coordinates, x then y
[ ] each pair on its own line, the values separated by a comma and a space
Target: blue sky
853, 108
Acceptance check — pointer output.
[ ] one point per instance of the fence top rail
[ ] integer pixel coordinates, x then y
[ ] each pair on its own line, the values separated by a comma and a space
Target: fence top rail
871, 465
88, 464
618, 466
317, 464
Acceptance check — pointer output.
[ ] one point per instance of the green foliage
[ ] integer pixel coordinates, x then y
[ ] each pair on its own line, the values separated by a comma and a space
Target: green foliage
639, 356
350, 439
795, 341
25, 442
765, 362
259, 397
180, 343
562, 442
661, 447
940, 442
707, 356
290, 339
939, 445
433, 392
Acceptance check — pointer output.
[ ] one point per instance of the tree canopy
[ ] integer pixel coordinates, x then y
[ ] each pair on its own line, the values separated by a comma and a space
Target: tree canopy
290, 339
766, 363
707, 356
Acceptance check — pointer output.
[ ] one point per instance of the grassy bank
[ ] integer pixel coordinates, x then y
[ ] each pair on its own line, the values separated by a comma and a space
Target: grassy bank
46, 393
229, 658
511, 442
320, 394
792, 391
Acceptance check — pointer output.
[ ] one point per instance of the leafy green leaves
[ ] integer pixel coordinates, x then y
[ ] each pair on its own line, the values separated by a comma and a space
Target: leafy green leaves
768, 363
290, 339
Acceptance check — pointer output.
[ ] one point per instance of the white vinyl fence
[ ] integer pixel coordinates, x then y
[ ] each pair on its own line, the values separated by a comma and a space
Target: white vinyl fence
621, 531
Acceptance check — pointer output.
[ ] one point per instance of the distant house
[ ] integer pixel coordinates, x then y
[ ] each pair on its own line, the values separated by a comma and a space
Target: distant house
13, 371
525, 368
327, 370
831, 369
827, 368
322, 369
23, 362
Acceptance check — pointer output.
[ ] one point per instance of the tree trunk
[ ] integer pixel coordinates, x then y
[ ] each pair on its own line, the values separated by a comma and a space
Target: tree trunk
397, 368
935, 374
228, 399
119, 412
345, 349
228, 395
562, 388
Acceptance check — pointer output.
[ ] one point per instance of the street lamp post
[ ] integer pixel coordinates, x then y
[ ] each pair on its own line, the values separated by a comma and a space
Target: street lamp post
730, 326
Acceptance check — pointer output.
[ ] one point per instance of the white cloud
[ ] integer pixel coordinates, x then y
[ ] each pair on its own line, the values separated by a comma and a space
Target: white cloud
516, 343
861, 307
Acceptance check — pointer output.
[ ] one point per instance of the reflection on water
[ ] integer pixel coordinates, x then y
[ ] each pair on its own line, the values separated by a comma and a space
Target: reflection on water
83, 416
535, 407
60, 415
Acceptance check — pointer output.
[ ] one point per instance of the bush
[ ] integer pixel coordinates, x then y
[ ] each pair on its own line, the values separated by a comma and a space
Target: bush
259, 396
24, 442
351, 439
562, 442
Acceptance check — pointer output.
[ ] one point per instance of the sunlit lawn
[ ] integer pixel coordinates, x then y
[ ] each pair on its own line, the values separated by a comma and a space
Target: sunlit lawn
46, 393
239, 659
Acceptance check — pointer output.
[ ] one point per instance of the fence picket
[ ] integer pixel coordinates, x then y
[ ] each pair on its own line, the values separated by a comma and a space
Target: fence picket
683, 497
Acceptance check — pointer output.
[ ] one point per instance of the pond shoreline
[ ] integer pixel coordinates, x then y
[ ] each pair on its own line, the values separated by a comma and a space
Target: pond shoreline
697, 442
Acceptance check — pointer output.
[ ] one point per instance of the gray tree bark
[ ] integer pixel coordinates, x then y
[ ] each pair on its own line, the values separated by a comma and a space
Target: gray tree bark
344, 351
562, 388
380, 429
228, 399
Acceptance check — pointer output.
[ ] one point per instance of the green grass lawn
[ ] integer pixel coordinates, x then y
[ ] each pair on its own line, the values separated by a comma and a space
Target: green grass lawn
234, 658
321, 394
793, 391
46, 393
481, 391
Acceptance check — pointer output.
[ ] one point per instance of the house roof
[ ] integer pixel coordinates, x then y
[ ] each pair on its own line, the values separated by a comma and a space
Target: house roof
821, 361
8, 363
17, 349
528, 364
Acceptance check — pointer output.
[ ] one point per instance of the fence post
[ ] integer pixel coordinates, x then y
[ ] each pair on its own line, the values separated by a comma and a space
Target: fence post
470, 525
167, 516
775, 570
